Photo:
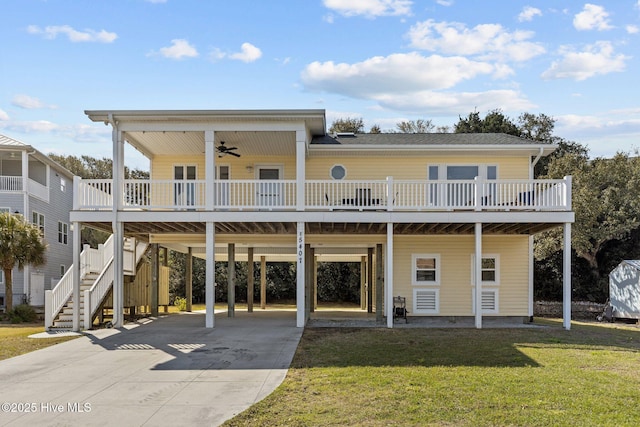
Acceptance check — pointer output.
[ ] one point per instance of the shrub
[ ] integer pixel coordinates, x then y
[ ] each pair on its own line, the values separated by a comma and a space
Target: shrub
23, 313
181, 303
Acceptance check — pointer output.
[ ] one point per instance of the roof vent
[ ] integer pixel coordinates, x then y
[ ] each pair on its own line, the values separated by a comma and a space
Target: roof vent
345, 135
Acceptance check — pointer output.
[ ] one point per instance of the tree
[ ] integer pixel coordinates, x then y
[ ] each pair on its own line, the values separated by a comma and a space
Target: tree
494, 122
21, 244
415, 126
375, 129
88, 167
353, 125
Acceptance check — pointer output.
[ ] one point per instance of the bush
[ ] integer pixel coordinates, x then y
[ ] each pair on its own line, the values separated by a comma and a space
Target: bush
23, 313
181, 303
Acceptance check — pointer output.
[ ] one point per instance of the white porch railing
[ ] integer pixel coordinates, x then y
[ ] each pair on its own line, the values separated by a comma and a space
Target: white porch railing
389, 194
38, 190
11, 183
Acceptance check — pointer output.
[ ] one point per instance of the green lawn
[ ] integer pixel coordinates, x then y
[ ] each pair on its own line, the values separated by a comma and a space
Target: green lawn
14, 339
589, 376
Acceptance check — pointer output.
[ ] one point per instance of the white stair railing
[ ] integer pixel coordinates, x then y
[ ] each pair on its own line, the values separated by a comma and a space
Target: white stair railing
91, 261
94, 296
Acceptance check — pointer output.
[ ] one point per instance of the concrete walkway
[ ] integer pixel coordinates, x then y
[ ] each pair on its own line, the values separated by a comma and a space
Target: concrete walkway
167, 371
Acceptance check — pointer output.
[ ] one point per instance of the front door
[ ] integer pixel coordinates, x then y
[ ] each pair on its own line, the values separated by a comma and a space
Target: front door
269, 192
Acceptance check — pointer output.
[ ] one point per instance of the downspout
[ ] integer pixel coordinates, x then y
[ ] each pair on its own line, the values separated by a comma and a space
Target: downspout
531, 248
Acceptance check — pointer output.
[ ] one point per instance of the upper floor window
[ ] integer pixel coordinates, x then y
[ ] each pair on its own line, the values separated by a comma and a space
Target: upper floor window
462, 172
38, 219
63, 232
425, 269
338, 172
63, 269
63, 185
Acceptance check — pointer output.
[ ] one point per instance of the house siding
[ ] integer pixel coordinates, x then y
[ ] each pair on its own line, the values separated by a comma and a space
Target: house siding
455, 289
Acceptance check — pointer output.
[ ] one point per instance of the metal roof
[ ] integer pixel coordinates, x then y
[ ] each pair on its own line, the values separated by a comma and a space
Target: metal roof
7, 142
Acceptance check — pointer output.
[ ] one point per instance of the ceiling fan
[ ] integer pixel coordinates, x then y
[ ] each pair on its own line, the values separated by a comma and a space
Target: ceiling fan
223, 150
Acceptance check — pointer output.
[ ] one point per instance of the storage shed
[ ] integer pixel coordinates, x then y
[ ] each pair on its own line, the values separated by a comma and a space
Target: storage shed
624, 290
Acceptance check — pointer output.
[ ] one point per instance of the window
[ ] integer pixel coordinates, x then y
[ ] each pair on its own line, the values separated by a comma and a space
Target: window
490, 270
426, 269
63, 185
2, 210
338, 172
63, 232
1, 276
38, 219
63, 269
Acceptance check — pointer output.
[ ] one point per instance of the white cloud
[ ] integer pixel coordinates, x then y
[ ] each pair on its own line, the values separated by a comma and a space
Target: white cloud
445, 3
248, 53
397, 73
179, 49
29, 103
595, 59
88, 35
528, 13
592, 17
632, 29
156, 1
3, 116
487, 41
30, 126
369, 8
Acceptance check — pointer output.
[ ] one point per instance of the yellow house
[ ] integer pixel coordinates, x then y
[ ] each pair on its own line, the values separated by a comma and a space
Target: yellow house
444, 220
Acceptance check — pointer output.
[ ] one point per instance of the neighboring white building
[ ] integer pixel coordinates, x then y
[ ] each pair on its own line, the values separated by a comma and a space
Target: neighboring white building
35, 186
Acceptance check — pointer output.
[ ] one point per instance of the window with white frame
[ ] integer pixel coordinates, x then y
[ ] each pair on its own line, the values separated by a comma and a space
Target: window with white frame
489, 269
63, 232
3, 210
38, 219
63, 269
63, 185
425, 269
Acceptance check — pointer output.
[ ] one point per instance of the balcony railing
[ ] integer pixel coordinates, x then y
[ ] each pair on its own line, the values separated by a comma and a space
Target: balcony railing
17, 184
330, 195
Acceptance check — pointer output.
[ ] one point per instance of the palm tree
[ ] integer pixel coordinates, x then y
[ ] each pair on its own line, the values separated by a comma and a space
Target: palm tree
21, 244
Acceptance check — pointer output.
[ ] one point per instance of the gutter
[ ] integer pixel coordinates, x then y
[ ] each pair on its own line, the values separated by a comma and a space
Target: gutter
535, 162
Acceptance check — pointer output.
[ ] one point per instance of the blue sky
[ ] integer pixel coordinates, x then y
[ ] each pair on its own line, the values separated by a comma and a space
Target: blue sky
382, 60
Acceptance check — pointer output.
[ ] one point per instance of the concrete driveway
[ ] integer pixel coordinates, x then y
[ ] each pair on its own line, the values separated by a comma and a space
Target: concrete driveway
166, 371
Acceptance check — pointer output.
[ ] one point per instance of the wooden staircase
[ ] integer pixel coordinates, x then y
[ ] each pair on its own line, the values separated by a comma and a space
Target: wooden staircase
64, 320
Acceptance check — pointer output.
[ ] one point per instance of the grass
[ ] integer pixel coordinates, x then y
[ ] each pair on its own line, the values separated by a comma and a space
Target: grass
589, 376
14, 339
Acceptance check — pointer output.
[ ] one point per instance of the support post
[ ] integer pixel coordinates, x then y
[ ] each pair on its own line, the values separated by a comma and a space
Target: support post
155, 269
301, 152
388, 276
477, 268
379, 284
263, 282
250, 280
566, 277
188, 285
210, 275
363, 283
300, 276
231, 280
77, 248
308, 280
118, 274
314, 300
369, 280
210, 170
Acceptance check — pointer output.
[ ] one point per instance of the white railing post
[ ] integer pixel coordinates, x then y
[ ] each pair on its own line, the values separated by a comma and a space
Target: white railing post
567, 192
88, 312
390, 193
48, 312
478, 184
76, 194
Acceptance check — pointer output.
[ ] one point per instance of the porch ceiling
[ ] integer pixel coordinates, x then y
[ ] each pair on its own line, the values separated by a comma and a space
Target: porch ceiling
254, 143
144, 229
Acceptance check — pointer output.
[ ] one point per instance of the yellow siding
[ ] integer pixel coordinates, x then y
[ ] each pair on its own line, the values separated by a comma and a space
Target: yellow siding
162, 166
407, 168
455, 289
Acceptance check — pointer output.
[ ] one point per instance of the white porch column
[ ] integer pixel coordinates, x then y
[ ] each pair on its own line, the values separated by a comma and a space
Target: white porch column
300, 277
477, 268
531, 268
118, 168
301, 148
388, 277
118, 274
210, 275
77, 248
566, 277
209, 169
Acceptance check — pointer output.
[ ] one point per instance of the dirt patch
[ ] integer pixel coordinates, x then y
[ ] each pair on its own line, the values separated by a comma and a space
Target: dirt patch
580, 310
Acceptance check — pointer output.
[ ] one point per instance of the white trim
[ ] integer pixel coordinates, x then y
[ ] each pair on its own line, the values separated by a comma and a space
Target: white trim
496, 282
438, 269
486, 293
434, 293
258, 166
